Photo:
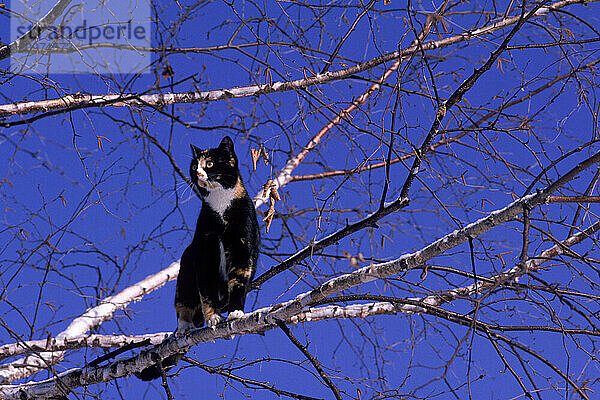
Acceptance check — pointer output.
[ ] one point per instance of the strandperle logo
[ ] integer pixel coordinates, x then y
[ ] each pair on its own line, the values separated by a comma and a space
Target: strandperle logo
88, 33
98, 37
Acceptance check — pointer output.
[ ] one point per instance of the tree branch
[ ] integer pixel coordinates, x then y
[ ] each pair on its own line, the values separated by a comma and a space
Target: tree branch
316, 364
47, 20
72, 102
55, 344
94, 316
267, 318
249, 383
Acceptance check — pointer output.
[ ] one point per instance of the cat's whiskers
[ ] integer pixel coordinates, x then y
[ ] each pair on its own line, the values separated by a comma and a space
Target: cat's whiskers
181, 189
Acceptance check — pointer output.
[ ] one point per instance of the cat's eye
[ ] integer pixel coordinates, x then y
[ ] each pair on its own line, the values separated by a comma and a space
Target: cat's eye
209, 164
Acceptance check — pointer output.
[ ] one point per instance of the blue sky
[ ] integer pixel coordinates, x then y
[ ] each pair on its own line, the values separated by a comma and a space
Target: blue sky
90, 206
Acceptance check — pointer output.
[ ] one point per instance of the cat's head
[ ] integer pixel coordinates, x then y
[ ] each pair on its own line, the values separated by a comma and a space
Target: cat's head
212, 169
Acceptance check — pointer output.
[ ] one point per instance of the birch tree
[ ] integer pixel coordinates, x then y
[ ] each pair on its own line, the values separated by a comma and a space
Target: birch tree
426, 175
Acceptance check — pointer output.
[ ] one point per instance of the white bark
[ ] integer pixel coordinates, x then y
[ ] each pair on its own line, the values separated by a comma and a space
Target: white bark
55, 345
21, 43
124, 99
79, 326
299, 309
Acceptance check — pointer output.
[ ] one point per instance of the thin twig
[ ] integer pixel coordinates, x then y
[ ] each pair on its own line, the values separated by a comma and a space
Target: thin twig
346, 36
311, 358
247, 382
164, 382
24, 41
72, 102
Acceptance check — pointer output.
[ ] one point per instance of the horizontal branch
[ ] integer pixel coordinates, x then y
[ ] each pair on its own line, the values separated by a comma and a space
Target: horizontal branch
55, 344
76, 101
79, 326
574, 199
267, 318
412, 305
370, 167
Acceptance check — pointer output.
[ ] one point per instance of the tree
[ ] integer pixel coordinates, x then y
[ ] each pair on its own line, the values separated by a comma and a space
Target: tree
427, 177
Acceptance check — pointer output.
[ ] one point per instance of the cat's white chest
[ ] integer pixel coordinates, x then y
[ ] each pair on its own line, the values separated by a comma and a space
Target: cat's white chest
219, 199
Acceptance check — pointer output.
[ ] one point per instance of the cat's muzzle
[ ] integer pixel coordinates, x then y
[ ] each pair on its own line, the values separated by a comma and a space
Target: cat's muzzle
204, 182
202, 178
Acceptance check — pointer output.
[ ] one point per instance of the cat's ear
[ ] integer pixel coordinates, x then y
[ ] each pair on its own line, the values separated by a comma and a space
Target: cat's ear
195, 151
227, 145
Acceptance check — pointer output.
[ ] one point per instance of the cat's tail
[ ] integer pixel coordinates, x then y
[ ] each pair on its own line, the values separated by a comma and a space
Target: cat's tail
155, 371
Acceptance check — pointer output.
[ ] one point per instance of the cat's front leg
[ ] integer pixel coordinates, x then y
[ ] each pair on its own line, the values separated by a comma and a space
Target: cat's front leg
185, 318
239, 278
211, 314
187, 298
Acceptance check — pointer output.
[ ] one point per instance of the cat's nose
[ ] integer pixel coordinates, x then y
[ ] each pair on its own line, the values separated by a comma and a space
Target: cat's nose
201, 173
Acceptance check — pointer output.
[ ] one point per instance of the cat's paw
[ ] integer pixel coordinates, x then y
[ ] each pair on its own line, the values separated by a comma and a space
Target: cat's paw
236, 314
213, 321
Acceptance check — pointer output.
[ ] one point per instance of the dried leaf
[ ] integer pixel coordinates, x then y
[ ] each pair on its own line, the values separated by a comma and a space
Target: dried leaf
269, 217
267, 188
255, 154
274, 193
167, 71
264, 154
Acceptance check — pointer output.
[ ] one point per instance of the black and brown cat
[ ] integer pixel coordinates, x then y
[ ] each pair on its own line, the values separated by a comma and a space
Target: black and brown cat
217, 267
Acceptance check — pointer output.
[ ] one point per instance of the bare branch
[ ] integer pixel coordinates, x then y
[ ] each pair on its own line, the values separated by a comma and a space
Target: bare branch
72, 102
311, 358
249, 383
267, 318
21, 44
55, 345
79, 326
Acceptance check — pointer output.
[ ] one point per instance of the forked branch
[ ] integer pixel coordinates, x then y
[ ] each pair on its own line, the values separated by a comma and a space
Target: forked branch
290, 311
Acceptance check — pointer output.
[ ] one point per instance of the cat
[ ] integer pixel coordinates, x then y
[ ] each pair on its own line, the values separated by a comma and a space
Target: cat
218, 266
